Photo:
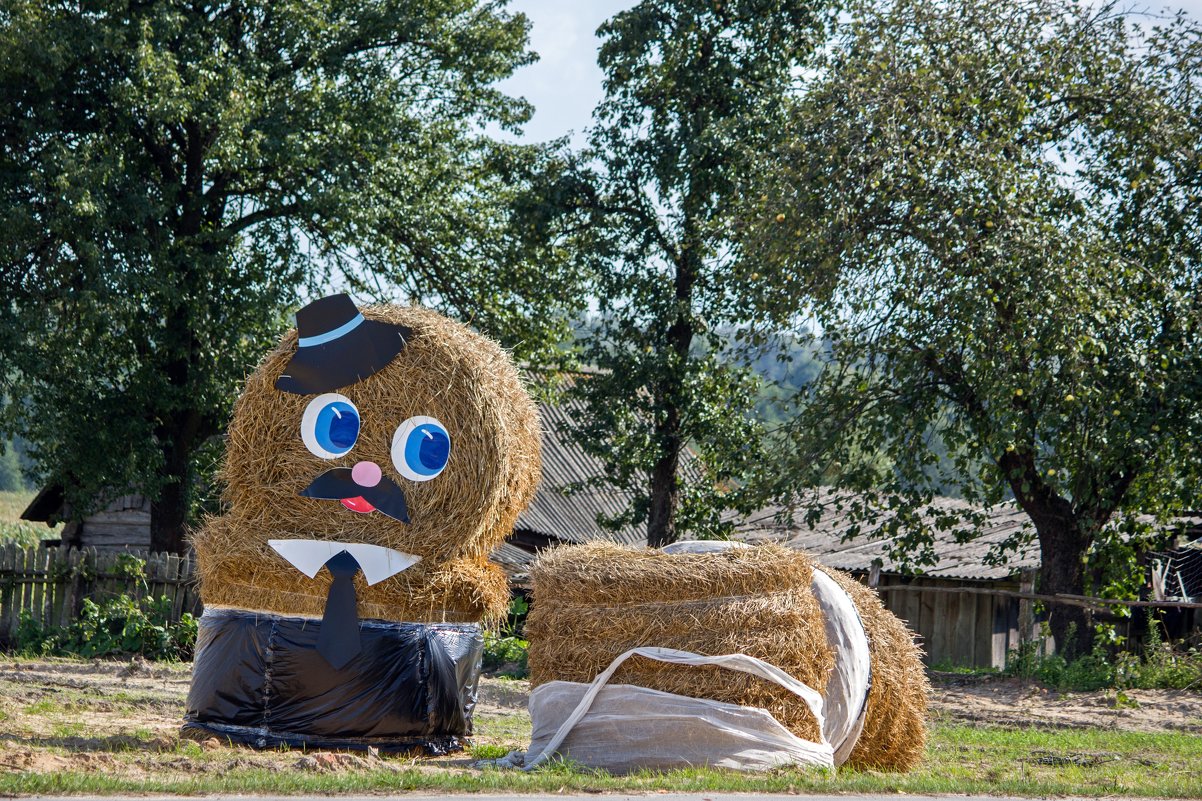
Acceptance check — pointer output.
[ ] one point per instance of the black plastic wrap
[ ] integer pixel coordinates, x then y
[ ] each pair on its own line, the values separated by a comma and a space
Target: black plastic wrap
259, 680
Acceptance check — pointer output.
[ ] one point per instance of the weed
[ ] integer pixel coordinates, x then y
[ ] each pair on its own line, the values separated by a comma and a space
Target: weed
46, 706
67, 731
1160, 666
489, 751
507, 653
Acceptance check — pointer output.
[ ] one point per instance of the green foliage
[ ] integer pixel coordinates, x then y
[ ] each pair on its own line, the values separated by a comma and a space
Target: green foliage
506, 652
506, 655
175, 175
489, 751
116, 627
15, 530
1159, 667
1016, 236
647, 211
11, 479
22, 533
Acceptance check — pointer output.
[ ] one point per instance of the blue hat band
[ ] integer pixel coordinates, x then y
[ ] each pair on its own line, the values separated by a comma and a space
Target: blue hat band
330, 336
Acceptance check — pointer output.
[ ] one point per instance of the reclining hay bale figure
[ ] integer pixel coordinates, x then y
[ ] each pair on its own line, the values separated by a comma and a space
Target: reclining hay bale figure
595, 602
374, 460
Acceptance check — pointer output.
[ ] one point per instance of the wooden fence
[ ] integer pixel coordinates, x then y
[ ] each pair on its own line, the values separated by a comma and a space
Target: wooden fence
52, 583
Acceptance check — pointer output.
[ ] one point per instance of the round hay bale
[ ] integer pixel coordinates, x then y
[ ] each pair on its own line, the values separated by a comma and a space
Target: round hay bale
445, 371
894, 735
594, 602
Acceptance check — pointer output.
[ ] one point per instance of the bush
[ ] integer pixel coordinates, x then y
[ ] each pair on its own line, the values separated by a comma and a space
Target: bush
1161, 666
506, 652
120, 626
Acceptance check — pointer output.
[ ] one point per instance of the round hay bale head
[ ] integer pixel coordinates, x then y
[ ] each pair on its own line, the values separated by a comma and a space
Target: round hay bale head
594, 602
445, 371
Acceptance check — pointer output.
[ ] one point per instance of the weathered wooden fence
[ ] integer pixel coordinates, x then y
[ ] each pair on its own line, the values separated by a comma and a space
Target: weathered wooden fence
52, 583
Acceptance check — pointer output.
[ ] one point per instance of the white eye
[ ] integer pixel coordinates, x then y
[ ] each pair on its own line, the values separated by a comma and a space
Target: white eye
330, 426
421, 448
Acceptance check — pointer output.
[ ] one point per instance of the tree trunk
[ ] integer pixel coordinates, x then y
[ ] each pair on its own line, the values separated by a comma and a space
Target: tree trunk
1063, 543
179, 437
1062, 554
665, 486
169, 512
665, 498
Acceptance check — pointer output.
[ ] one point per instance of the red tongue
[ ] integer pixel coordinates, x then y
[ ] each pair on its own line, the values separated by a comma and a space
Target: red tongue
358, 504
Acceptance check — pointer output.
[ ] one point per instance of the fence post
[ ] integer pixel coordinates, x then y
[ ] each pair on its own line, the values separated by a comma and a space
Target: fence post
1026, 608
7, 560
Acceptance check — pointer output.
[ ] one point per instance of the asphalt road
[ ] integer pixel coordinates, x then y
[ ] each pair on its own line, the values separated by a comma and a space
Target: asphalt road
557, 796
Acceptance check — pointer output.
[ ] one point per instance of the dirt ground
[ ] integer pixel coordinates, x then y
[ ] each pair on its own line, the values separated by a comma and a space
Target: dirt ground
123, 718
998, 701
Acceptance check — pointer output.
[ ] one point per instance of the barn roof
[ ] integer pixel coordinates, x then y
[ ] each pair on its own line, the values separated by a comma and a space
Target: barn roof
565, 511
559, 510
956, 560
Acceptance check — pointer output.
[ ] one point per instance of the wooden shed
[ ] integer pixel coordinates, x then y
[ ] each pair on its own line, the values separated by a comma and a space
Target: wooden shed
123, 523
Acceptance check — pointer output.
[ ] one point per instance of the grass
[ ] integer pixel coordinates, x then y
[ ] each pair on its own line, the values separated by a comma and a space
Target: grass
15, 530
994, 761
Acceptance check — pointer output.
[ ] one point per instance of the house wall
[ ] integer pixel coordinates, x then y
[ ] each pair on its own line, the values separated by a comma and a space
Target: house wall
128, 529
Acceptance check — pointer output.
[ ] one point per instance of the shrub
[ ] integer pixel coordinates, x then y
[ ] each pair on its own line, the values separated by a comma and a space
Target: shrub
119, 626
1161, 666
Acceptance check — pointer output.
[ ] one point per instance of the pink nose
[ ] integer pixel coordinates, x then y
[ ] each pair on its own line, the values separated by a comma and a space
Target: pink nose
366, 474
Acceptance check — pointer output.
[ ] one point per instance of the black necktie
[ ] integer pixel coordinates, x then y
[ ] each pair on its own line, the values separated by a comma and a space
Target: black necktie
338, 640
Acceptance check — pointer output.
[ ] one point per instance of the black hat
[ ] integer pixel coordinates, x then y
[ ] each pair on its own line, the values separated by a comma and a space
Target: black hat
338, 347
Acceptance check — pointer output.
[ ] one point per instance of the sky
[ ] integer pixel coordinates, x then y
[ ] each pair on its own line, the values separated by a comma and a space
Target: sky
565, 83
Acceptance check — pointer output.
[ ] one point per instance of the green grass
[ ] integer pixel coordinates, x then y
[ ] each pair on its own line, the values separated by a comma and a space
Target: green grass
13, 528
1019, 762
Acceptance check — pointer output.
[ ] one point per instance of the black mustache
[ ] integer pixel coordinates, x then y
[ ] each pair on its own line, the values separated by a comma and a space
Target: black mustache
337, 484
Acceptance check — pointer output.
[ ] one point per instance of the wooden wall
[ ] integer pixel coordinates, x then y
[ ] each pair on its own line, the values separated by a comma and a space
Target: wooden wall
960, 629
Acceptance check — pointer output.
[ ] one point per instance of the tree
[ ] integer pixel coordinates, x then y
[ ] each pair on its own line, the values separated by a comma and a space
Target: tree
174, 173
647, 212
1009, 193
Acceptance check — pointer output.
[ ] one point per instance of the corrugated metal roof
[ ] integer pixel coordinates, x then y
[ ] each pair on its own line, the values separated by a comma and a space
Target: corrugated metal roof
514, 561
559, 517
956, 560
565, 517
572, 516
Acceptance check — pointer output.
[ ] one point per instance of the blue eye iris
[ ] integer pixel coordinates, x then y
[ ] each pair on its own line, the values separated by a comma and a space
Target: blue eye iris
337, 427
421, 448
330, 426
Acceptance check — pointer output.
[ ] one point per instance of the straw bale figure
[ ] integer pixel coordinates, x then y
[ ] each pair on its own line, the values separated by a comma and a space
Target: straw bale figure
375, 459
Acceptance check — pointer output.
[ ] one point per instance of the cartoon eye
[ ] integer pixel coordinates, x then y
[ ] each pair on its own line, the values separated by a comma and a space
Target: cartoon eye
421, 447
330, 426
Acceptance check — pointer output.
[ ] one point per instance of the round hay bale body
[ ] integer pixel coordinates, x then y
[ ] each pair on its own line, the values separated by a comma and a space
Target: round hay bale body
445, 371
594, 602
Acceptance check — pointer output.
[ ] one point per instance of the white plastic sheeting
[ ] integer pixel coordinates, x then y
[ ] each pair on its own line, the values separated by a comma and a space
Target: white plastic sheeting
622, 727
851, 679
